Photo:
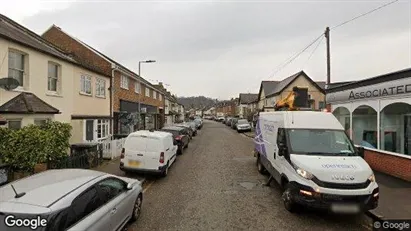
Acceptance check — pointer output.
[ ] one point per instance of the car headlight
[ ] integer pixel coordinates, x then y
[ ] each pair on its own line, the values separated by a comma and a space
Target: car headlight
305, 174
372, 178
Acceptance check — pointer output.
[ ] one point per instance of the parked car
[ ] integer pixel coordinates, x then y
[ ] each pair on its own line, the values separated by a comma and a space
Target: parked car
148, 151
199, 123
228, 123
234, 123
220, 119
193, 127
243, 125
71, 199
189, 129
180, 136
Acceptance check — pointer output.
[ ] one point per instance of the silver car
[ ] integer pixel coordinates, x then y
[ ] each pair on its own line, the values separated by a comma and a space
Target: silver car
70, 199
243, 125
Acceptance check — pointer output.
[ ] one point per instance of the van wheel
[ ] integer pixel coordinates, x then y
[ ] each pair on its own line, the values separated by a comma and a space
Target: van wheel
137, 208
165, 172
260, 166
289, 203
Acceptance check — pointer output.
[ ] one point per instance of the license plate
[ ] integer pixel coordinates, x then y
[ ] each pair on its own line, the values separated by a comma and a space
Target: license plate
134, 163
345, 208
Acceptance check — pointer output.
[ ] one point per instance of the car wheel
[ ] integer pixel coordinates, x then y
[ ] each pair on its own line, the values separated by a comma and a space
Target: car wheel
260, 167
289, 203
165, 172
137, 208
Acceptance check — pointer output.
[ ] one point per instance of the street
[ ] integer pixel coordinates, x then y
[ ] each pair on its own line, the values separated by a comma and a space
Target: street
215, 185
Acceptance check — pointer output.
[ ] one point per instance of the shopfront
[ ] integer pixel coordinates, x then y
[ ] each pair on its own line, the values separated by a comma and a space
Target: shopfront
376, 112
128, 120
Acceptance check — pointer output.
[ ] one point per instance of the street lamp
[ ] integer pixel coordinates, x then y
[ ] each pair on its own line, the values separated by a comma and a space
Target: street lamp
139, 100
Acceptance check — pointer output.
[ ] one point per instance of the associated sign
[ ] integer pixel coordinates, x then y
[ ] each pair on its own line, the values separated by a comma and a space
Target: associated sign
381, 90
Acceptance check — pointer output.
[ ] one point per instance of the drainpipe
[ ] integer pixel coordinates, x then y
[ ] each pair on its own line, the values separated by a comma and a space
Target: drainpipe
113, 68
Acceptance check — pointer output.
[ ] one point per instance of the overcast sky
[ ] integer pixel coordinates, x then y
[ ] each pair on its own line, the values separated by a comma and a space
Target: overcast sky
222, 48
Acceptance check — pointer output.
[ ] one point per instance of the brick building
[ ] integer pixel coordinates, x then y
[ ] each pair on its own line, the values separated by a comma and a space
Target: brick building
228, 108
126, 89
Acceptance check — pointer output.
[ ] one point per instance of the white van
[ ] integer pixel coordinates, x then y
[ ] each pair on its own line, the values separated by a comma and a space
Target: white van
309, 154
148, 151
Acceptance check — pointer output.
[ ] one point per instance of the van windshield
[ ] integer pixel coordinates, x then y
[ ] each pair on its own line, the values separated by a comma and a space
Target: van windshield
320, 142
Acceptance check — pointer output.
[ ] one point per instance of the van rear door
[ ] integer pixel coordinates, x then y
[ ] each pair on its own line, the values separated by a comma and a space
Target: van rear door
154, 148
134, 151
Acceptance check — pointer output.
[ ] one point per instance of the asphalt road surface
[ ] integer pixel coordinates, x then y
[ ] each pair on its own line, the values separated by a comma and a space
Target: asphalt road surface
215, 185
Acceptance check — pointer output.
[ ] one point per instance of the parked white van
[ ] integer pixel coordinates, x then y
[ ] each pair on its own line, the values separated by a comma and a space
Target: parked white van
309, 154
148, 151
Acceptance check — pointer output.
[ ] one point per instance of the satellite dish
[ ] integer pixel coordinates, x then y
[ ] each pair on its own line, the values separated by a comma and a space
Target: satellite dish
9, 83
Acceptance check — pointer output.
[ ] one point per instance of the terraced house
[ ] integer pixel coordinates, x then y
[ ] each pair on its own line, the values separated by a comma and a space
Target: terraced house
52, 85
135, 102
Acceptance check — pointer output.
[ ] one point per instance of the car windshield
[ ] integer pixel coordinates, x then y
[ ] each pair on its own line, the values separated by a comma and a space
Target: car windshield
242, 122
320, 142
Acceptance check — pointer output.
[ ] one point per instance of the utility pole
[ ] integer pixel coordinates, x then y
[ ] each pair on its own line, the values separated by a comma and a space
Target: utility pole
327, 37
327, 84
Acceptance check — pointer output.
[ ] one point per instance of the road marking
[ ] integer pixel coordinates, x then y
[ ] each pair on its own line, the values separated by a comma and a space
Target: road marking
148, 186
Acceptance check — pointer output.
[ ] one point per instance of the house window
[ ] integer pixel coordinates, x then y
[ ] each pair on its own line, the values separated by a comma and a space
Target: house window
40, 122
147, 92
85, 84
124, 82
321, 105
16, 66
53, 75
137, 87
100, 87
103, 129
160, 97
14, 124
154, 95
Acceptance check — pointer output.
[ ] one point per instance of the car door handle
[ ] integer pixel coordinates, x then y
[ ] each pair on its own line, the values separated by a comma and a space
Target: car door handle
113, 211
167, 149
139, 154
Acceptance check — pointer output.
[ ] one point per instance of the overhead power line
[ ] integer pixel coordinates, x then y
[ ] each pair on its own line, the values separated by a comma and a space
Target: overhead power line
364, 14
292, 58
313, 51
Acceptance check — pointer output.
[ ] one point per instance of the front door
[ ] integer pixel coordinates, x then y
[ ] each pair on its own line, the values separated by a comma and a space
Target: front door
89, 129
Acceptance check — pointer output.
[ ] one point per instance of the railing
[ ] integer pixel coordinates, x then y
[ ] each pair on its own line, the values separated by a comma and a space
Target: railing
111, 148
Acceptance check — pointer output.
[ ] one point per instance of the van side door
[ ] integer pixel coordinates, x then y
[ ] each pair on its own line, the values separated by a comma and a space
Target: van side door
279, 147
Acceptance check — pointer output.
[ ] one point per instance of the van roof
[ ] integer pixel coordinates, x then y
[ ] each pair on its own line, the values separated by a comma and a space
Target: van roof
156, 134
304, 119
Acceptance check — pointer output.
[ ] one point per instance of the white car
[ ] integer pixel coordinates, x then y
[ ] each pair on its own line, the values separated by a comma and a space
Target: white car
70, 199
243, 125
309, 154
148, 151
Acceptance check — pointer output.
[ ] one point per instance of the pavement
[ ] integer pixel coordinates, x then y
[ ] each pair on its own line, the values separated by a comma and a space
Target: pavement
215, 185
395, 198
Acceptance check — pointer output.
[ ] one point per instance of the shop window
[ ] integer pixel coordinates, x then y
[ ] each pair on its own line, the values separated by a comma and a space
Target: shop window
343, 115
364, 120
395, 122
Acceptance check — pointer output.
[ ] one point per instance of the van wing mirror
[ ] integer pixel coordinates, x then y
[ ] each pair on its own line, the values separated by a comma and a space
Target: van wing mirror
360, 151
282, 149
129, 186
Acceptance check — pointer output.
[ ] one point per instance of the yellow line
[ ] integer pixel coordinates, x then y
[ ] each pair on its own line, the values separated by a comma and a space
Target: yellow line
148, 186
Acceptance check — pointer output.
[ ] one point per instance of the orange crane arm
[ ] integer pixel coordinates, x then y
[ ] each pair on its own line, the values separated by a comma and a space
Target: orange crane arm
287, 102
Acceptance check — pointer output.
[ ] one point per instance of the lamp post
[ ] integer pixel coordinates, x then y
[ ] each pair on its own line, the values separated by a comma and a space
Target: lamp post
139, 100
